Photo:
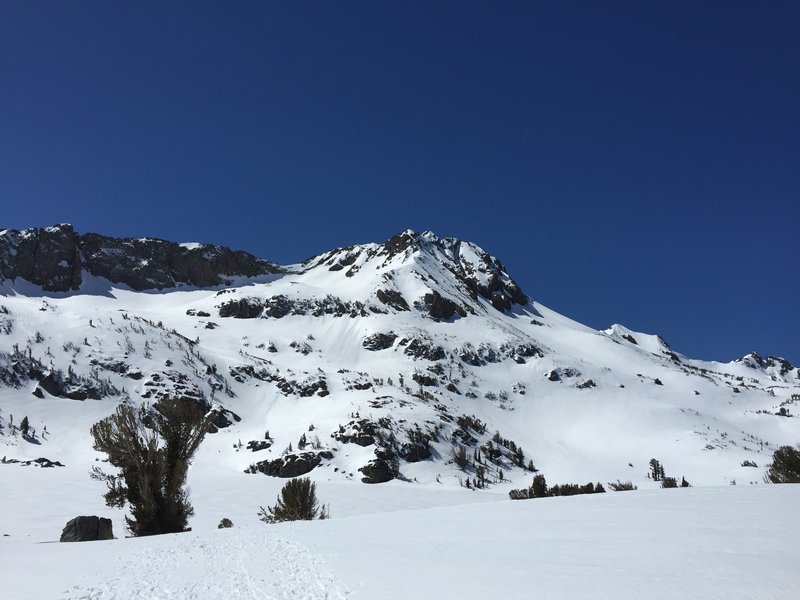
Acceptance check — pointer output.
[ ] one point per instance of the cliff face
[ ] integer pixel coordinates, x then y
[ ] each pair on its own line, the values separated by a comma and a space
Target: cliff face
54, 257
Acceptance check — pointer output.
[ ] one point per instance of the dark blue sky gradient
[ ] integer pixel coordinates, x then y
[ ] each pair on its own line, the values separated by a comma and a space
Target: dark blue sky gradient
633, 162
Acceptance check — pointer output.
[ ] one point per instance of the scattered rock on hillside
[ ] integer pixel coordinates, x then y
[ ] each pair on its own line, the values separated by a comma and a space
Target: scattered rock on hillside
220, 418
441, 308
379, 341
290, 465
393, 298
361, 432
377, 470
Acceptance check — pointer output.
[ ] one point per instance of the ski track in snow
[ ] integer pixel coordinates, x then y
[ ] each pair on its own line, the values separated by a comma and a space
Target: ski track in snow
260, 567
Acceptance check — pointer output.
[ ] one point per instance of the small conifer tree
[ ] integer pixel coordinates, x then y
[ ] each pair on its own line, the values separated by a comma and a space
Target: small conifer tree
296, 502
24, 426
460, 457
539, 486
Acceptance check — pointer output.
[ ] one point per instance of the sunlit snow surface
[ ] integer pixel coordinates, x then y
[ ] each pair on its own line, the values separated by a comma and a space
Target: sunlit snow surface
725, 543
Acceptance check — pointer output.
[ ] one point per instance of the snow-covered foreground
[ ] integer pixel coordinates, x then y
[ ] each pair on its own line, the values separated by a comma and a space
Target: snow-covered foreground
735, 542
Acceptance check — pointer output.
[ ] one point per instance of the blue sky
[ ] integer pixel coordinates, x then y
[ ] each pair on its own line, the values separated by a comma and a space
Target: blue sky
633, 162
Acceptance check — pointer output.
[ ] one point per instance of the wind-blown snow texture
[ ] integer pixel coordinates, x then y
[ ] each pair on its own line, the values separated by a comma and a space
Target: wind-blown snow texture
375, 362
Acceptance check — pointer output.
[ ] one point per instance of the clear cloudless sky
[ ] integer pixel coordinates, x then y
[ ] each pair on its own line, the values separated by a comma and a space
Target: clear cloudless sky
634, 162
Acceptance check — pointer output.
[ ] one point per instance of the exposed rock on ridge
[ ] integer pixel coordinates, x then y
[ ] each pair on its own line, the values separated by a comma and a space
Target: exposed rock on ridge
53, 258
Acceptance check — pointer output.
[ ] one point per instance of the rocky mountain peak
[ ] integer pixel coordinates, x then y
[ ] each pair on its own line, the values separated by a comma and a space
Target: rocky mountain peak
460, 272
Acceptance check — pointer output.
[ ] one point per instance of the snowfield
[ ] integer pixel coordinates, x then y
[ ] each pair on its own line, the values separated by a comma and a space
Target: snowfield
726, 543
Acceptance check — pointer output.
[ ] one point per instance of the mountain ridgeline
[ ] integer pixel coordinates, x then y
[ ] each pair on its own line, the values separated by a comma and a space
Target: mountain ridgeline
55, 258
419, 359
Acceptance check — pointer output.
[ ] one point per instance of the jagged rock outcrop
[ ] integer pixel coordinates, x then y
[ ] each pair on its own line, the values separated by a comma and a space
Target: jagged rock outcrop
414, 451
290, 465
54, 257
379, 341
362, 432
377, 470
220, 418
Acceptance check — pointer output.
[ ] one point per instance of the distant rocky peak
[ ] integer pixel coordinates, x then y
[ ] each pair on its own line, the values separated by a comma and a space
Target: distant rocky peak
469, 268
766, 363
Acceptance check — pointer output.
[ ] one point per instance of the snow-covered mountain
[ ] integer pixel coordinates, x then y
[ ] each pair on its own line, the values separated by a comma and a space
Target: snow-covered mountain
367, 363
388, 363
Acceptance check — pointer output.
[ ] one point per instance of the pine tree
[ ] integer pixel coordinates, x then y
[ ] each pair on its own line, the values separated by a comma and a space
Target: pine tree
480, 481
656, 470
152, 452
460, 457
24, 426
539, 486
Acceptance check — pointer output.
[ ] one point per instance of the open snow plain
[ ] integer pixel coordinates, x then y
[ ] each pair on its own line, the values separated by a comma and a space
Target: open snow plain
738, 542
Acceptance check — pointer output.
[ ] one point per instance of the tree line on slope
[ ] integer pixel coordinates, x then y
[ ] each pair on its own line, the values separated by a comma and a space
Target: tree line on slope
153, 449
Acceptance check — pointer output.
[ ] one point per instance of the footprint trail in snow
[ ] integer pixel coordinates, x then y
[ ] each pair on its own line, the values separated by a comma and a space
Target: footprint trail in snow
234, 567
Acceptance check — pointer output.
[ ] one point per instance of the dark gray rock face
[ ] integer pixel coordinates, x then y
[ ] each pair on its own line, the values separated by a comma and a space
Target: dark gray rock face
53, 258
414, 452
244, 308
48, 257
392, 298
220, 418
441, 308
87, 529
377, 470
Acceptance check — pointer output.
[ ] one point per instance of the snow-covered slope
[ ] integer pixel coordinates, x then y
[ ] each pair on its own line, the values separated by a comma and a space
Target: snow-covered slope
372, 362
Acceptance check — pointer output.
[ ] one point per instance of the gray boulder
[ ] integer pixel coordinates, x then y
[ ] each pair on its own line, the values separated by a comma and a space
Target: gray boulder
87, 529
